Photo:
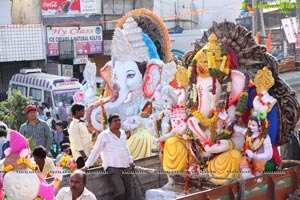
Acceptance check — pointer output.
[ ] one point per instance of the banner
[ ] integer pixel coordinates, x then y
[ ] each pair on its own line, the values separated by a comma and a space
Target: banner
68, 7
290, 28
60, 7
88, 39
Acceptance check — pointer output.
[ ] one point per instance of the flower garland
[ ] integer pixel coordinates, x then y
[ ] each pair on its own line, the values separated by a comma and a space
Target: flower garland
262, 135
242, 104
20, 161
204, 120
224, 98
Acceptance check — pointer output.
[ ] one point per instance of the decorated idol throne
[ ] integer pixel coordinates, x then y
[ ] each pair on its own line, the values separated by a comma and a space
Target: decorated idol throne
239, 109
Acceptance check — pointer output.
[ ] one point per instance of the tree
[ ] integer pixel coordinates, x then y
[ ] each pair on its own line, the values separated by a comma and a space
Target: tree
14, 106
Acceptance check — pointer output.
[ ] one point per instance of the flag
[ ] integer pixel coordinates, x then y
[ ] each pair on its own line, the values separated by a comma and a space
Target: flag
257, 38
249, 8
268, 42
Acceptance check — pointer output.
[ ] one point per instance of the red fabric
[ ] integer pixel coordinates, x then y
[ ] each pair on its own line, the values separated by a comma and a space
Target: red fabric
174, 84
276, 156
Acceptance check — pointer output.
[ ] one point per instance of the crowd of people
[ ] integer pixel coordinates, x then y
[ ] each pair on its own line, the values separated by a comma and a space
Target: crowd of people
53, 139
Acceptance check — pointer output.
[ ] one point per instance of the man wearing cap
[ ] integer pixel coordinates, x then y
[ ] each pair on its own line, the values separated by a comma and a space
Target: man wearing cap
116, 159
37, 129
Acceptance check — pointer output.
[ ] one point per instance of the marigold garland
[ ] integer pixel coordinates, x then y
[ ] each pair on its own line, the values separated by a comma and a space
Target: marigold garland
204, 120
20, 161
262, 135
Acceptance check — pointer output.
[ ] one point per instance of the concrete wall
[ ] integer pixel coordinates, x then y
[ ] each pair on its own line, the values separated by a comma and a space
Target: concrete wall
26, 12
97, 179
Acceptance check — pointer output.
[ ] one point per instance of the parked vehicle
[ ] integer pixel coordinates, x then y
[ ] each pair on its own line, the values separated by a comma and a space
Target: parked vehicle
43, 87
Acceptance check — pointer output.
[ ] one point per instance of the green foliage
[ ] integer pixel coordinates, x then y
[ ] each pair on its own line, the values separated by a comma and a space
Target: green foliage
31, 143
15, 105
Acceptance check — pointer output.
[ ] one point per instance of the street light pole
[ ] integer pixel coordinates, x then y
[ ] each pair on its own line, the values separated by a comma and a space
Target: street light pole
254, 17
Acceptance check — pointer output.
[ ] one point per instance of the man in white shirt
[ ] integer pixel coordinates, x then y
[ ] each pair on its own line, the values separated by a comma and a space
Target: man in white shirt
77, 189
80, 139
116, 159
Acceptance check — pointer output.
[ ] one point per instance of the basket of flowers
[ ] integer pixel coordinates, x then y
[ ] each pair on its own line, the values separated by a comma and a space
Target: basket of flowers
67, 163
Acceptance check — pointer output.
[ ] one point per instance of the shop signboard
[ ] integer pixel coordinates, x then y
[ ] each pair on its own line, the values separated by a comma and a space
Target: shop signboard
68, 7
87, 39
82, 59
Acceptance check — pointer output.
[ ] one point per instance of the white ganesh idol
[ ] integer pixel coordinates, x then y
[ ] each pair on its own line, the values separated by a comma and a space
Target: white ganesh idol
140, 60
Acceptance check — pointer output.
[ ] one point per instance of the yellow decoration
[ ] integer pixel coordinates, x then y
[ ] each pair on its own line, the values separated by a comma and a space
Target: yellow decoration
211, 62
263, 80
231, 143
225, 165
7, 168
20, 161
175, 154
204, 120
222, 67
140, 144
209, 57
181, 76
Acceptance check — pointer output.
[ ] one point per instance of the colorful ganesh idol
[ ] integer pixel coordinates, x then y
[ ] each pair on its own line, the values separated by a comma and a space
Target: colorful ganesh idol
172, 124
261, 135
215, 91
20, 180
141, 60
